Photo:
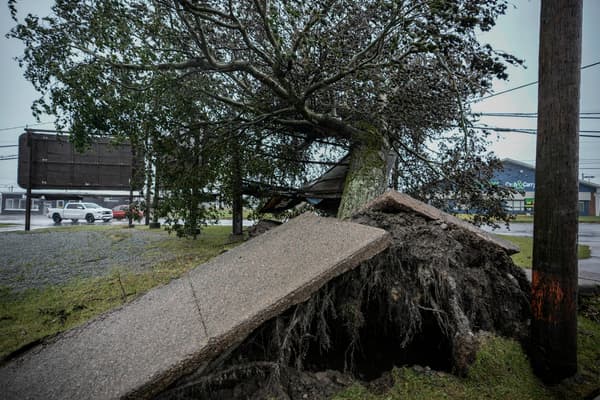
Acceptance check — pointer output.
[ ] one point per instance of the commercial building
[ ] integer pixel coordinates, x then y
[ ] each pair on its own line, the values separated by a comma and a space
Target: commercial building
521, 176
15, 202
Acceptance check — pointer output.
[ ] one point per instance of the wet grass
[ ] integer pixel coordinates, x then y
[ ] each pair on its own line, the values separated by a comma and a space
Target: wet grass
501, 371
524, 257
588, 219
29, 316
528, 219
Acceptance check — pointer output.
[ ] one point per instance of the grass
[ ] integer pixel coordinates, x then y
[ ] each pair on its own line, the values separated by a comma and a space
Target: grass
501, 371
226, 213
29, 316
582, 218
525, 243
520, 218
3, 225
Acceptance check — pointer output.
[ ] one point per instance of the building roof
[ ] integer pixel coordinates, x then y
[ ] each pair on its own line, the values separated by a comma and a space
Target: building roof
532, 167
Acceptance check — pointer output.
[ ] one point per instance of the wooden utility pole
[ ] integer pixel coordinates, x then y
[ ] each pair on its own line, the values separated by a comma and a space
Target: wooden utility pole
554, 281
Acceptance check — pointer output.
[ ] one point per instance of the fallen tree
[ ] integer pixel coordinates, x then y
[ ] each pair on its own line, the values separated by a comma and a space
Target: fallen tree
421, 301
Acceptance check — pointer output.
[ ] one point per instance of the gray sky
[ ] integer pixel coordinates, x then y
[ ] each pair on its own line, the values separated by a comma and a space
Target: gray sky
516, 33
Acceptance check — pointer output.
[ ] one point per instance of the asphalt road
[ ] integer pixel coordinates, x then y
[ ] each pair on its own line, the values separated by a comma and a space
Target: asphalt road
589, 234
41, 221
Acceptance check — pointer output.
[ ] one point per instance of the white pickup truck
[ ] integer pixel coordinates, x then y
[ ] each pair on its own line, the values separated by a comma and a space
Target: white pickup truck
76, 211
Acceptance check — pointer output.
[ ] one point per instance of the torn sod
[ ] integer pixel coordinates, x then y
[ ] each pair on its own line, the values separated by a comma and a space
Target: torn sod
421, 301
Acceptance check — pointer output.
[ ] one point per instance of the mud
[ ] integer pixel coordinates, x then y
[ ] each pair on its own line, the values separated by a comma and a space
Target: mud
421, 302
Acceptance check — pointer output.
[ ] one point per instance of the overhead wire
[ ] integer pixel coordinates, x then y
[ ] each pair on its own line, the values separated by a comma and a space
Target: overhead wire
531, 131
525, 85
24, 126
531, 115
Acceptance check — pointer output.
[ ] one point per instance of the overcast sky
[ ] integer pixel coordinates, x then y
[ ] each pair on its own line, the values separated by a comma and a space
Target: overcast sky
516, 33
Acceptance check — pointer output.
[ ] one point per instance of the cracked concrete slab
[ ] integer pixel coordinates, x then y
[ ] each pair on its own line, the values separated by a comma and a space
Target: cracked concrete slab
113, 354
140, 348
394, 201
290, 266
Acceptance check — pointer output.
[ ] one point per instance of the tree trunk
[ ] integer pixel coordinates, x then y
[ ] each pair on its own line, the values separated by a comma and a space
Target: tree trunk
554, 282
132, 181
155, 223
237, 208
148, 193
367, 174
148, 182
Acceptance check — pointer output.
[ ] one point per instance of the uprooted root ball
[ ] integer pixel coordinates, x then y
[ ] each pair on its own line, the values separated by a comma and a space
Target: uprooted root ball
419, 302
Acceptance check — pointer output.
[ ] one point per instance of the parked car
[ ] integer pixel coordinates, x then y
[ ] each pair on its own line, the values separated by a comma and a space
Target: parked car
120, 212
78, 210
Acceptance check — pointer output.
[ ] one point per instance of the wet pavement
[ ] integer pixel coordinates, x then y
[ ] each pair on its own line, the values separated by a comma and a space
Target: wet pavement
17, 222
589, 235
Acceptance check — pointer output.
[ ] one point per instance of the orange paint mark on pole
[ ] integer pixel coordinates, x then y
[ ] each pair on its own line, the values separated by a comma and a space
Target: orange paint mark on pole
548, 298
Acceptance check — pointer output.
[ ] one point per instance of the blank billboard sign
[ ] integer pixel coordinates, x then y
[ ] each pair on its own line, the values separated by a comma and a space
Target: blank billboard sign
56, 164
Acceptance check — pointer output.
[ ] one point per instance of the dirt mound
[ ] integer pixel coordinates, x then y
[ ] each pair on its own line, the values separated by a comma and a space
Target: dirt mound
421, 301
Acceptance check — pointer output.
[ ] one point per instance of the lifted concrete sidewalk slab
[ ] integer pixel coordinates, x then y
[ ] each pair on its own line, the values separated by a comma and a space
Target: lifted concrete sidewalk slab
392, 201
139, 349
284, 266
113, 354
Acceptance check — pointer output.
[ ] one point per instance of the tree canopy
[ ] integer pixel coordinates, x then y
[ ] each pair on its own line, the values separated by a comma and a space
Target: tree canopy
287, 79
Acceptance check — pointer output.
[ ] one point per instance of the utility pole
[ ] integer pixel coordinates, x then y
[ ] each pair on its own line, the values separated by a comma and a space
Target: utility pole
554, 277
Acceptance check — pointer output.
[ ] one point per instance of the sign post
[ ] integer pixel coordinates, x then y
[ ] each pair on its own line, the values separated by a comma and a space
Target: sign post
30, 169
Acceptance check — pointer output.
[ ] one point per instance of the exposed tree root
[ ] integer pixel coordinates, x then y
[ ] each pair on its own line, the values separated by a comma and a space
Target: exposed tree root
419, 302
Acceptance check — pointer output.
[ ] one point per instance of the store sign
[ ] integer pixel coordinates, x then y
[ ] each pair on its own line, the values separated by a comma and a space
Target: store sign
529, 203
520, 185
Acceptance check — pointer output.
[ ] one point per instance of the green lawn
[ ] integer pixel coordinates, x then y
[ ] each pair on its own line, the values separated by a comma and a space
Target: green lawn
34, 314
525, 243
226, 213
501, 372
529, 219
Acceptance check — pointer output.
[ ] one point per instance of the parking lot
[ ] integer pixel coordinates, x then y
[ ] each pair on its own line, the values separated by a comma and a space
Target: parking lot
10, 223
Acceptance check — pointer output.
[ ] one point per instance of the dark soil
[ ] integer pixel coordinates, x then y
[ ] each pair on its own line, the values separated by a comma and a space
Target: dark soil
422, 302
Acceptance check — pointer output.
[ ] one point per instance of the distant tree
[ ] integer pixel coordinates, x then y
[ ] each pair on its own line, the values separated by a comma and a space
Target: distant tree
554, 277
378, 77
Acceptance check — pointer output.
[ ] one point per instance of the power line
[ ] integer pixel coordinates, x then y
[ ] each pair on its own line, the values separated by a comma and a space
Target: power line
526, 85
9, 145
25, 126
529, 131
533, 115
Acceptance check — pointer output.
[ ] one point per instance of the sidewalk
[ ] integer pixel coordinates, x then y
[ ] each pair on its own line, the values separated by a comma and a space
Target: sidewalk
139, 349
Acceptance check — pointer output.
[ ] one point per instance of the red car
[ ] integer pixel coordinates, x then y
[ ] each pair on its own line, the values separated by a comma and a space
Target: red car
120, 212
